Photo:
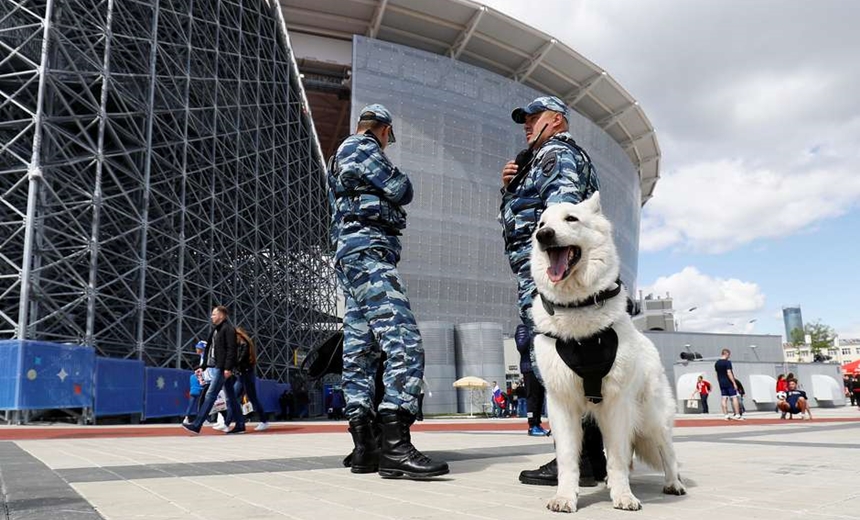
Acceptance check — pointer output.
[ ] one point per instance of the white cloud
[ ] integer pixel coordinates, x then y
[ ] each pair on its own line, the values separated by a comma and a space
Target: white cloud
764, 98
717, 206
721, 305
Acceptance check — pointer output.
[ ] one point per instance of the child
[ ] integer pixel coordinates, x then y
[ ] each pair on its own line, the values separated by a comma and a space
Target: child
741, 394
781, 388
194, 393
196, 385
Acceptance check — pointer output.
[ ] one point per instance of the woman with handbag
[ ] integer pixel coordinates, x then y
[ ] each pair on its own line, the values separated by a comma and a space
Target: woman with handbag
246, 363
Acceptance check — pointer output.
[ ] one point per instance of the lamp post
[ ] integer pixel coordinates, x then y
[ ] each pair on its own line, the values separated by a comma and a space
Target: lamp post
678, 320
750, 322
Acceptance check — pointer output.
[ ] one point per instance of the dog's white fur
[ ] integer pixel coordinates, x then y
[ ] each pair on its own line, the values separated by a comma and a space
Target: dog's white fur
637, 411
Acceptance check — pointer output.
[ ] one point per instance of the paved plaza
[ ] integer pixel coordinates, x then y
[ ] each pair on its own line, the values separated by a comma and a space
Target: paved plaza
760, 469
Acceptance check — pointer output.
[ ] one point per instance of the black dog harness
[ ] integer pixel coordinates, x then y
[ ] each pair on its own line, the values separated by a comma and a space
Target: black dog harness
590, 358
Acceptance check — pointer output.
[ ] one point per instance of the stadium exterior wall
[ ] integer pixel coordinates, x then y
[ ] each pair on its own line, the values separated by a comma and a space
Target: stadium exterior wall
454, 131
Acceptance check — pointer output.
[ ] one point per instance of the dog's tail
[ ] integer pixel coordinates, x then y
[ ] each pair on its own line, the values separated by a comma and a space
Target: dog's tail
648, 451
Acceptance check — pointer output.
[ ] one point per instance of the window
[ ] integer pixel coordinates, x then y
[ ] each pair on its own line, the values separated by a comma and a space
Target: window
857, 350
804, 353
846, 351
789, 353
831, 352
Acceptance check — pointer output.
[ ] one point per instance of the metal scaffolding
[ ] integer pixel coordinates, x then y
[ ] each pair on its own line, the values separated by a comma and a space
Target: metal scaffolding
157, 158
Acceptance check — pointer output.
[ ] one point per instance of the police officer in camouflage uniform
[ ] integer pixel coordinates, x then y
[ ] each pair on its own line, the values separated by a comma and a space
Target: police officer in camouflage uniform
366, 196
553, 169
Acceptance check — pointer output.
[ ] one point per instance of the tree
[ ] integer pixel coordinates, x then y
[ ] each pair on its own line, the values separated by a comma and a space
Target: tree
797, 339
822, 335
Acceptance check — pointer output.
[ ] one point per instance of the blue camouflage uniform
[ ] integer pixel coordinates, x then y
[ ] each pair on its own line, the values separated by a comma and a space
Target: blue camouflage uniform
366, 198
560, 171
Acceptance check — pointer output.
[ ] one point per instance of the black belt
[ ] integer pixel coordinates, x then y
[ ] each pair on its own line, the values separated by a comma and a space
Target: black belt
389, 229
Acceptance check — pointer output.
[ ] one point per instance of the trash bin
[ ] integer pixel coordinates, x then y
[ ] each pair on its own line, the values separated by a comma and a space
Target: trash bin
692, 406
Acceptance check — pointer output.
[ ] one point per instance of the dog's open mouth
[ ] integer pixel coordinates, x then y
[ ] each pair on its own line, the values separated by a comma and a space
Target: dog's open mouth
561, 261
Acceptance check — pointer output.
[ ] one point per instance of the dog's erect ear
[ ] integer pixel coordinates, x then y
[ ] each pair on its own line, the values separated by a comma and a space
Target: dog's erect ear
593, 202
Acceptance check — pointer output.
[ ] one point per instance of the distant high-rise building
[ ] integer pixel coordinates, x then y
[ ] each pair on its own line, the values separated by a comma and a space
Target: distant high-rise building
793, 320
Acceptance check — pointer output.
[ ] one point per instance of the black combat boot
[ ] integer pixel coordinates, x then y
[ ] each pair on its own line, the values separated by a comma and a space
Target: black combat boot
398, 458
365, 456
547, 475
592, 452
587, 477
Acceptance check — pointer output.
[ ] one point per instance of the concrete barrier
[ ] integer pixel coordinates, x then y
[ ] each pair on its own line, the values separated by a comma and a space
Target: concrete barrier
762, 391
827, 391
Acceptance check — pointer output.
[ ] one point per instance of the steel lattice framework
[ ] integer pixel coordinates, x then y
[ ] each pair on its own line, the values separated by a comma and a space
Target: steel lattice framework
156, 159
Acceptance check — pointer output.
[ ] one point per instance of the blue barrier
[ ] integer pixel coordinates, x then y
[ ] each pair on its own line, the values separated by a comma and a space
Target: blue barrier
36, 375
269, 391
165, 392
118, 386
9, 374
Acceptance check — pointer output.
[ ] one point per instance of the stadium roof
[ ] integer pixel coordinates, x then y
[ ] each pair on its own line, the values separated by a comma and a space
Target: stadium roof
481, 36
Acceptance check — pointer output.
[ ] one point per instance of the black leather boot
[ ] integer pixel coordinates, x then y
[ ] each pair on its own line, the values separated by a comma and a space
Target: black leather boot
398, 458
592, 452
547, 475
586, 472
365, 456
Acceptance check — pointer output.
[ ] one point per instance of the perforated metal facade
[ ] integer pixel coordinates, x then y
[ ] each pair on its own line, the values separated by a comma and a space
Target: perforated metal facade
439, 366
454, 134
480, 353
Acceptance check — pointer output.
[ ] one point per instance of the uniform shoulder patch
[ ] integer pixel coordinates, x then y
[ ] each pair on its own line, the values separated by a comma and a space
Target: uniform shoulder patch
548, 162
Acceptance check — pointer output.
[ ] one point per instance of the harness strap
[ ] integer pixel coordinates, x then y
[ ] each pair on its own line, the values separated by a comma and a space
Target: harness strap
590, 358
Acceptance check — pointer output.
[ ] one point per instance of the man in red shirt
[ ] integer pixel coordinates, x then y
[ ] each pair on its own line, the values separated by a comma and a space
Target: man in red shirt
703, 388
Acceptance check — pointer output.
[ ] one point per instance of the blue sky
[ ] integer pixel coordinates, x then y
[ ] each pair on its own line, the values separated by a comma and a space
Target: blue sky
815, 268
758, 119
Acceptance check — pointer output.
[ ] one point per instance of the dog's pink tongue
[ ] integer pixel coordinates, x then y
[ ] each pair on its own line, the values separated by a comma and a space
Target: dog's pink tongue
557, 263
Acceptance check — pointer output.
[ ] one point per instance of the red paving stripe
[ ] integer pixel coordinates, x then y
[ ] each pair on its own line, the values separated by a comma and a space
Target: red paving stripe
20, 433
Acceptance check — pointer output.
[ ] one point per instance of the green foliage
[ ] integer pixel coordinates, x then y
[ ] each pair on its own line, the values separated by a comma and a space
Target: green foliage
822, 335
797, 338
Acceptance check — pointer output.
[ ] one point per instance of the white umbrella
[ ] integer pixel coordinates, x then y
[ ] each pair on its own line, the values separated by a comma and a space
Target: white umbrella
472, 383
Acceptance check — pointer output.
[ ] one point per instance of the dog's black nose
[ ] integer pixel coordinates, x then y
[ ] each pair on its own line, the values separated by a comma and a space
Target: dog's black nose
546, 235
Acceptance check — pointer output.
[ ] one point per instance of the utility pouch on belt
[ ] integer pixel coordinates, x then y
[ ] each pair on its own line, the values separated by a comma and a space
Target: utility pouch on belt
371, 209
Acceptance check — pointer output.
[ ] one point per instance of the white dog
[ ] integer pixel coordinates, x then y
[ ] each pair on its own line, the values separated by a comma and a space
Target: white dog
580, 315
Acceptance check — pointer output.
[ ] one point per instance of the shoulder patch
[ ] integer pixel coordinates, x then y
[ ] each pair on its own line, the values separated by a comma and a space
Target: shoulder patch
548, 163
